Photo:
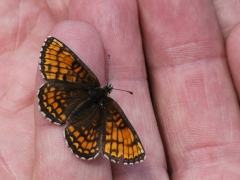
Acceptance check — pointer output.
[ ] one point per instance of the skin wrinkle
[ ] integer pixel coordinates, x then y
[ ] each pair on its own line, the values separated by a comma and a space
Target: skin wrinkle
6, 167
195, 152
19, 106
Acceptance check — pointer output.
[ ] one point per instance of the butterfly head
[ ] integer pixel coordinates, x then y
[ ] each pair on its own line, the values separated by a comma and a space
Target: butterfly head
108, 88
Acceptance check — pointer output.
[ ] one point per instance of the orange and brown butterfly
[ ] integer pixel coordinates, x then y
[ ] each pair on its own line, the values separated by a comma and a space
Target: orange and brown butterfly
72, 95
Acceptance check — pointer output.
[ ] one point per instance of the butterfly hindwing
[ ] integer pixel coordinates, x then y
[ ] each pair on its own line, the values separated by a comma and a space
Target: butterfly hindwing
57, 101
59, 64
120, 138
84, 132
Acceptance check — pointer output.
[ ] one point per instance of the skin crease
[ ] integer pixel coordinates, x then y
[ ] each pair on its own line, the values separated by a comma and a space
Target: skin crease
185, 57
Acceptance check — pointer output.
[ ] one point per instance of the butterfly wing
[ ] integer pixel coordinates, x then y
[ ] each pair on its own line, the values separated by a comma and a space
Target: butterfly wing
59, 64
84, 132
57, 101
119, 136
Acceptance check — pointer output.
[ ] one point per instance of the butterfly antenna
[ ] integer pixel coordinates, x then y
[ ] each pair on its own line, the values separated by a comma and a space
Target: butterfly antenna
130, 92
108, 55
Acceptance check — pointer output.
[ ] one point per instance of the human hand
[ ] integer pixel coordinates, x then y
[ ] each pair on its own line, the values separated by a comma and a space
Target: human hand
193, 96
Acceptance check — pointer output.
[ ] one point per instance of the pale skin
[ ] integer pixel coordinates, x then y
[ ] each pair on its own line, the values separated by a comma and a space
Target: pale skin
190, 50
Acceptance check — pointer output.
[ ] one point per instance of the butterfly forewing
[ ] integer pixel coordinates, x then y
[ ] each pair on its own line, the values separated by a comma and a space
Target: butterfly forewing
59, 64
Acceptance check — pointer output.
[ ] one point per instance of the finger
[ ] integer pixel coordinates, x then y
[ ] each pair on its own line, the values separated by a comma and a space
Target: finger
53, 158
233, 56
192, 90
227, 14
117, 23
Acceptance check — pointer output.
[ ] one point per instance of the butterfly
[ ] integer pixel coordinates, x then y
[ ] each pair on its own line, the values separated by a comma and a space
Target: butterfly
72, 95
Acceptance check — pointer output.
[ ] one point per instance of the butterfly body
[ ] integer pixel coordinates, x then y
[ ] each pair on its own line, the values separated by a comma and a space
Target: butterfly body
72, 95
98, 95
